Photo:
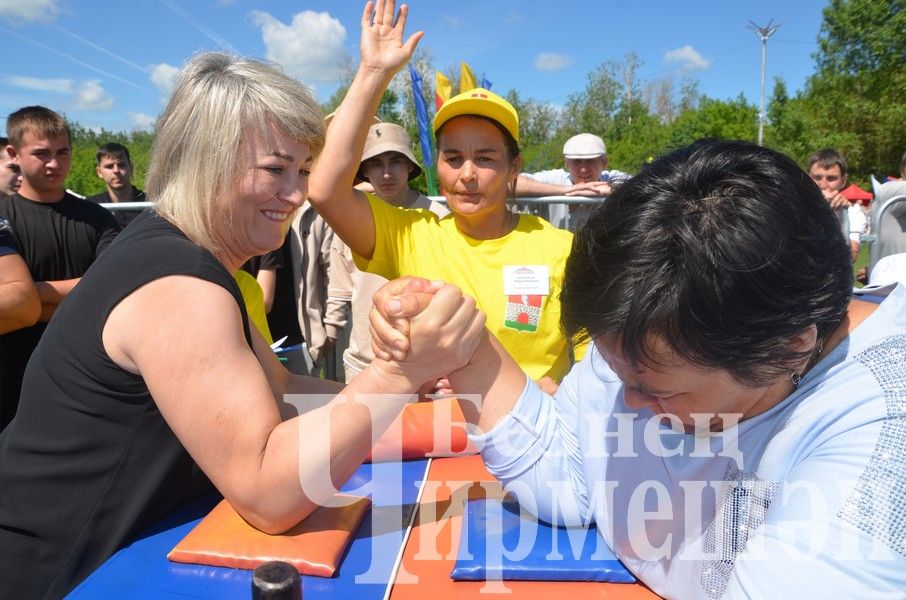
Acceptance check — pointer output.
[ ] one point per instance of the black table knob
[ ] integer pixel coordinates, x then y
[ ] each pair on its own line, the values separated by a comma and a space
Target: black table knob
276, 580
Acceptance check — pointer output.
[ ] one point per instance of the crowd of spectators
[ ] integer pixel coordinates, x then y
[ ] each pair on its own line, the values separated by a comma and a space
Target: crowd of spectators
311, 291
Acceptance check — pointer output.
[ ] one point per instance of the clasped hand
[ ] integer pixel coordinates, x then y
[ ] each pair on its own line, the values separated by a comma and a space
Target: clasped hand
424, 330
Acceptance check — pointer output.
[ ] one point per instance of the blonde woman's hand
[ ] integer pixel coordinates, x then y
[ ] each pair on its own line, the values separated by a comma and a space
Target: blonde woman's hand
442, 330
382, 48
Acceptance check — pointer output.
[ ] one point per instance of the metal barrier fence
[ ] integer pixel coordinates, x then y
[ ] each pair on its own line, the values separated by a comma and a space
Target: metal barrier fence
528, 200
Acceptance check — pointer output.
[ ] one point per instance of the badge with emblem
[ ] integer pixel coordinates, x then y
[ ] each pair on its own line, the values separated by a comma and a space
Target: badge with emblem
525, 287
523, 313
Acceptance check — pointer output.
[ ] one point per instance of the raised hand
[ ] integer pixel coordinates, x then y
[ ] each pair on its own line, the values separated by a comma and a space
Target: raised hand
382, 48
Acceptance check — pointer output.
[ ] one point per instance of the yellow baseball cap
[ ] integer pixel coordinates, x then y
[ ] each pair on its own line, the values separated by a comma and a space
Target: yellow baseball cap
483, 103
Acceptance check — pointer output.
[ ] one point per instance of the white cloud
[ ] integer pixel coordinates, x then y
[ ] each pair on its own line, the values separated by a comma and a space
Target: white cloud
163, 76
62, 86
19, 11
90, 95
450, 22
688, 59
142, 121
548, 61
86, 95
514, 18
310, 48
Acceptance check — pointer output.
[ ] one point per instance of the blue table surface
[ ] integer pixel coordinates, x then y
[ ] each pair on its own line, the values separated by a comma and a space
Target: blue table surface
142, 571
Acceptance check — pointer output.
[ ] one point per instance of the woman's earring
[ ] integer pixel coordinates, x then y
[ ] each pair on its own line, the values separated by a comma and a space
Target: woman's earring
796, 378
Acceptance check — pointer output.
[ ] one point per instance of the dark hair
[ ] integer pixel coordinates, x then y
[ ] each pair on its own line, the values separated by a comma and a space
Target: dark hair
112, 149
43, 121
903, 165
826, 159
723, 249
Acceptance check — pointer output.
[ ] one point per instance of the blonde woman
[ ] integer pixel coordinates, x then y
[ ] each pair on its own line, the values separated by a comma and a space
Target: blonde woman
149, 385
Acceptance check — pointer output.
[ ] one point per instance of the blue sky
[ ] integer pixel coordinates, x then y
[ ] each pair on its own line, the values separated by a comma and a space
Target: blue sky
111, 64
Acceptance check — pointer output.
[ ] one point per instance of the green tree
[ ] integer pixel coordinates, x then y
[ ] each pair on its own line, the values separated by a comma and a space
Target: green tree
855, 101
613, 106
787, 130
862, 36
85, 142
723, 119
637, 136
538, 124
592, 110
690, 95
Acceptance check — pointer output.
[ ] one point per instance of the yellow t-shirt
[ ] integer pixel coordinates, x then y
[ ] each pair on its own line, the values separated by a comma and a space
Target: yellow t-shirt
254, 303
416, 242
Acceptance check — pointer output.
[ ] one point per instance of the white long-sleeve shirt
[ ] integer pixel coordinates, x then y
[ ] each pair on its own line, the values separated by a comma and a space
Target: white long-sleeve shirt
806, 500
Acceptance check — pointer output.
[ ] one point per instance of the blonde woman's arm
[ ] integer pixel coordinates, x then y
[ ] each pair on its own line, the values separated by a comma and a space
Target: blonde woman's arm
215, 395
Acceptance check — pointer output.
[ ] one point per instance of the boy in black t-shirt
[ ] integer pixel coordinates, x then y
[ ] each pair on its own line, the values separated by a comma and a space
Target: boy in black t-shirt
57, 234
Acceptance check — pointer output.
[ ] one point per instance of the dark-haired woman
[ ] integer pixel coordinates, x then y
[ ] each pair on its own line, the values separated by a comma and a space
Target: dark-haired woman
737, 428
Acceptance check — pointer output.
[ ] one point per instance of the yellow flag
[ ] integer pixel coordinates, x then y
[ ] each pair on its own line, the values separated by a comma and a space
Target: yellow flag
466, 79
444, 89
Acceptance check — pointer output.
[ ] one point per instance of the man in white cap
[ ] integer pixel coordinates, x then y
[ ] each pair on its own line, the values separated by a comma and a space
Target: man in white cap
388, 164
586, 175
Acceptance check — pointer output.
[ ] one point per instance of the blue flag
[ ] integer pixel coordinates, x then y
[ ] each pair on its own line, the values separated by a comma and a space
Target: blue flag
485, 83
424, 132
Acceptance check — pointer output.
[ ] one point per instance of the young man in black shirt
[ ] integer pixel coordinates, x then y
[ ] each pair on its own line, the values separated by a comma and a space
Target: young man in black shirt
114, 166
57, 234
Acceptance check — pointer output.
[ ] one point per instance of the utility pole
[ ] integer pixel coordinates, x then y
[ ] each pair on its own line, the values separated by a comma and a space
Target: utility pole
764, 32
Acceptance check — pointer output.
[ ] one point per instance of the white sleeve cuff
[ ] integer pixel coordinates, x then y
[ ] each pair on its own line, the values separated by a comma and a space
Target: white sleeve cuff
517, 441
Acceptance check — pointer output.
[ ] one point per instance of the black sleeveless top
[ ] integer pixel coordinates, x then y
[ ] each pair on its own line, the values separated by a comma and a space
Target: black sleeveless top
89, 462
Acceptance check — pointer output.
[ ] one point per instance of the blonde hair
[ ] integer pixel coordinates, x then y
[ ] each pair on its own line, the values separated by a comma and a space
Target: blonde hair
219, 100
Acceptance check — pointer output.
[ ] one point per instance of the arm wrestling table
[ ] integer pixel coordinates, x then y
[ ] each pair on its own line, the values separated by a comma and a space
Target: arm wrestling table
370, 569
